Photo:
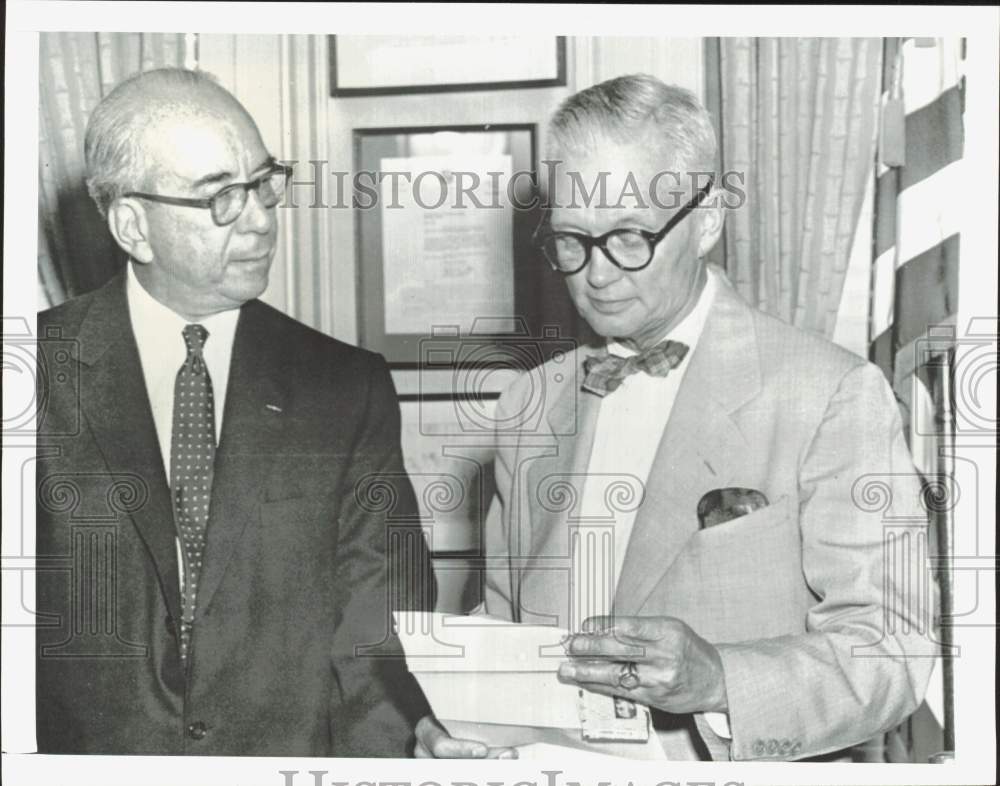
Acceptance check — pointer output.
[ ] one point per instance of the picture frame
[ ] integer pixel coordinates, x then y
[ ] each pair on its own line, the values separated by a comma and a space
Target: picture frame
398, 65
432, 275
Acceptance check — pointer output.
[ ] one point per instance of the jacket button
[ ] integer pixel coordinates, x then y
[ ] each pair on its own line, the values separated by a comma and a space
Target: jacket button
197, 730
758, 748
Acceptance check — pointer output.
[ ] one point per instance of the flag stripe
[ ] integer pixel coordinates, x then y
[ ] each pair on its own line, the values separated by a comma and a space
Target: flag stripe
933, 142
881, 352
933, 138
926, 291
929, 211
883, 291
928, 71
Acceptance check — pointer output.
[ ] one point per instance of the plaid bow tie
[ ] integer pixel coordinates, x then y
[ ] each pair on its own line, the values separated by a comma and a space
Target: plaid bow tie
605, 374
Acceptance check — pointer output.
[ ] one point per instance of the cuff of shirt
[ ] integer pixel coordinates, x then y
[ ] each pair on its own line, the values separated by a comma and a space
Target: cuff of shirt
719, 721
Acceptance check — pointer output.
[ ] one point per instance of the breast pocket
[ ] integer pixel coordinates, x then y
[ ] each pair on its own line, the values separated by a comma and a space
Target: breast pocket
750, 526
746, 575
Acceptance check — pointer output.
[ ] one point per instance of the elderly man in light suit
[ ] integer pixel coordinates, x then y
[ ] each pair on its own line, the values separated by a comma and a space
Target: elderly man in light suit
786, 632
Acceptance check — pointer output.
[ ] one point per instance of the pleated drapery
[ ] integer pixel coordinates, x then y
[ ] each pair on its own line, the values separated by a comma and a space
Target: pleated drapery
797, 121
75, 250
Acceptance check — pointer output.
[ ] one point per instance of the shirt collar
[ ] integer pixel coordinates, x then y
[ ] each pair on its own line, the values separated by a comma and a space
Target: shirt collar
689, 329
155, 324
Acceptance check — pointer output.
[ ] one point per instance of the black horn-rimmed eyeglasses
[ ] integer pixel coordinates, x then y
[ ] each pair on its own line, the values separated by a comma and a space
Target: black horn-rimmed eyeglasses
629, 249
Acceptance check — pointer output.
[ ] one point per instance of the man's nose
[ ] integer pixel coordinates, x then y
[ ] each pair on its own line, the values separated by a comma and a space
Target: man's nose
255, 216
601, 271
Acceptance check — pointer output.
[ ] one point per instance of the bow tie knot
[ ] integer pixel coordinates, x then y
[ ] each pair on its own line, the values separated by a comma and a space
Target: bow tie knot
605, 374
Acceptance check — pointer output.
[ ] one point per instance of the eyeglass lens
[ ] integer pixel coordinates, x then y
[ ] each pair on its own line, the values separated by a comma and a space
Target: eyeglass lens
229, 203
629, 249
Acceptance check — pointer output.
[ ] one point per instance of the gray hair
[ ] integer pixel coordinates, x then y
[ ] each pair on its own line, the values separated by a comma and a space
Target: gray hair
635, 108
113, 146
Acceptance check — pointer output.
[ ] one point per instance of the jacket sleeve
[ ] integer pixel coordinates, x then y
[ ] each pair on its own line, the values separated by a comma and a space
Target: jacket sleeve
388, 568
863, 664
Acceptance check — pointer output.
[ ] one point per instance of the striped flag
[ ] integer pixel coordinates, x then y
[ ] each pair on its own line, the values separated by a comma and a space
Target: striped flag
914, 292
918, 201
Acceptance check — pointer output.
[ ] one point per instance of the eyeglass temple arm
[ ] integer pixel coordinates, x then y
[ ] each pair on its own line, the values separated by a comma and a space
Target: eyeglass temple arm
169, 200
690, 205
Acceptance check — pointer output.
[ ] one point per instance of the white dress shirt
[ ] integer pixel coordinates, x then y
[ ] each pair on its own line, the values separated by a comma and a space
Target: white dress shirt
630, 425
159, 336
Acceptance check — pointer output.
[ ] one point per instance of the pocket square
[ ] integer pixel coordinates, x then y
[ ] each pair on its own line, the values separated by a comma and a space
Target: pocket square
720, 505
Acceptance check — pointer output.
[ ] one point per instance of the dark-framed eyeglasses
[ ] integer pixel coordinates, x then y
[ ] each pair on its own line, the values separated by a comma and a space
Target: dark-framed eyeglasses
629, 249
228, 203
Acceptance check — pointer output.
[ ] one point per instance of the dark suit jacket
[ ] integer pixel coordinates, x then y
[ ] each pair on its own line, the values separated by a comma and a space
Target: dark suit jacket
292, 649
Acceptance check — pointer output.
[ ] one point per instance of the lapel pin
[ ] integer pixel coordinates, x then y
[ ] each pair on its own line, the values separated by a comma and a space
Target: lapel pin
273, 407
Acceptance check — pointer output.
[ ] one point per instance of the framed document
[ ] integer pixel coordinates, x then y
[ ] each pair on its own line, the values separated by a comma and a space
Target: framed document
444, 218
393, 64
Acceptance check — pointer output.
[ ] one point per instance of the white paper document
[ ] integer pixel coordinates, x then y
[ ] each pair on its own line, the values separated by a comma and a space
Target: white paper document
495, 681
445, 262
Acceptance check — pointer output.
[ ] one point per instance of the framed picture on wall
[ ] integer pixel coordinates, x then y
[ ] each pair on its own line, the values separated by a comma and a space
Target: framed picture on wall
447, 273
370, 65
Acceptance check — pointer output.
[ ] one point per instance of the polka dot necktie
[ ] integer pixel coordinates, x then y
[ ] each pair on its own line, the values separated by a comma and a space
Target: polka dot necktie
192, 455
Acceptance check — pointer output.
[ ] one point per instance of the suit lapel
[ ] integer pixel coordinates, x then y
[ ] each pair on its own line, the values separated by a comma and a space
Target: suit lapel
544, 531
573, 418
114, 401
700, 447
251, 430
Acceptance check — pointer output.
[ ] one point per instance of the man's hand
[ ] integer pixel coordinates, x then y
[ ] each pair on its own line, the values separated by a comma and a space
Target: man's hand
678, 670
433, 742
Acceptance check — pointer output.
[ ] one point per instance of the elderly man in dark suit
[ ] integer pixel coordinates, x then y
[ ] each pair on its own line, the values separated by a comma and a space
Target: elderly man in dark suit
203, 465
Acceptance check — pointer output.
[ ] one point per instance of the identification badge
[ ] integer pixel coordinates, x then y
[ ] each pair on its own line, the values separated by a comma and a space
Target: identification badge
612, 719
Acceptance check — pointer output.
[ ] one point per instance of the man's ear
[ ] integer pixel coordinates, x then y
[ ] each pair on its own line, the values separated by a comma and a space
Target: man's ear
713, 217
128, 224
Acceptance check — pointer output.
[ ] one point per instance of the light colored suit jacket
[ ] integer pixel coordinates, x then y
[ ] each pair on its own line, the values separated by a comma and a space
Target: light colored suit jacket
818, 603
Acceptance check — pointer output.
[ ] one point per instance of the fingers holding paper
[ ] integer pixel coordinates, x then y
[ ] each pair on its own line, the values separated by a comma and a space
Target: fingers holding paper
674, 668
433, 742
